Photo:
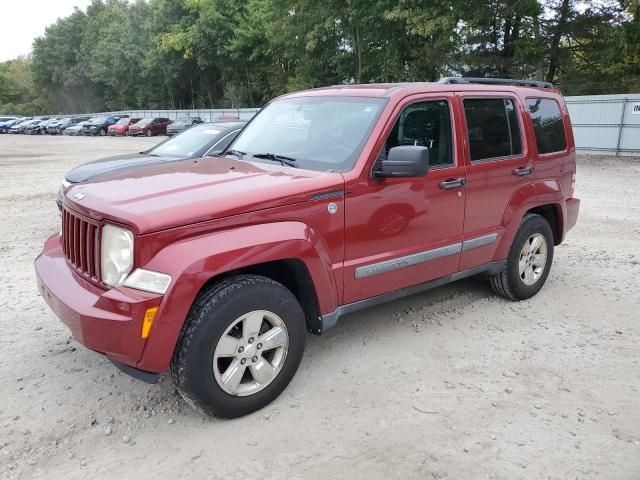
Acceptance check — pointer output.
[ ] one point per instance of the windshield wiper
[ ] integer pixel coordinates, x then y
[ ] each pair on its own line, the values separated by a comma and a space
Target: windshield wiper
277, 158
236, 153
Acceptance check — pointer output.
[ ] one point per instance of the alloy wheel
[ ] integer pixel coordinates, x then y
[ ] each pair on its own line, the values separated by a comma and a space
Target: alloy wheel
533, 259
250, 353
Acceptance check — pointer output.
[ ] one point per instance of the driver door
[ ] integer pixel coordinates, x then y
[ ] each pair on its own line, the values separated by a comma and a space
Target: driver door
406, 231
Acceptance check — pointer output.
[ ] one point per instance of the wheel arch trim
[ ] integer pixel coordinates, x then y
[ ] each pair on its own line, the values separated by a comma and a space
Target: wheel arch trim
195, 262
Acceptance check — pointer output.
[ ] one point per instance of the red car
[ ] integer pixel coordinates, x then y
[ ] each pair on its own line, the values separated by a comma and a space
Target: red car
150, 127
121, 127
329, 201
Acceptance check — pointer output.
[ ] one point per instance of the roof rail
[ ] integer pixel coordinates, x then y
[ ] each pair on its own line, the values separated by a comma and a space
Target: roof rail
495, 81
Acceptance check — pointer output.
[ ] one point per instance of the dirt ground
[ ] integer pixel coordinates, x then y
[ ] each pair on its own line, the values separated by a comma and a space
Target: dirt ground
455, 383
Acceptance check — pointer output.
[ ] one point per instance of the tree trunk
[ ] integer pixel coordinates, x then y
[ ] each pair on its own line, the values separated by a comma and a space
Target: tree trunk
357, 47
554, 58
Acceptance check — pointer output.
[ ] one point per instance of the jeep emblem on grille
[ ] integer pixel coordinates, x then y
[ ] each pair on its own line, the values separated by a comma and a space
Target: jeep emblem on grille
79, 196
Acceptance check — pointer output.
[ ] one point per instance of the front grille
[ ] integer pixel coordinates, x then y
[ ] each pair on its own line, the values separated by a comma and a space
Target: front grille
81, 244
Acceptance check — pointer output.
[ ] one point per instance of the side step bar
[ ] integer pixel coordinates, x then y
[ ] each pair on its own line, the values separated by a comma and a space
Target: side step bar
329, 320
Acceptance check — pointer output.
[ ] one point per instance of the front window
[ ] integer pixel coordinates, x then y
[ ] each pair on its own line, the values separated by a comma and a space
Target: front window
320, 133
427, 124
194, 141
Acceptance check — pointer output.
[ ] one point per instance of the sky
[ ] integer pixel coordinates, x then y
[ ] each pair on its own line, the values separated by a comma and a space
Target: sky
21, 21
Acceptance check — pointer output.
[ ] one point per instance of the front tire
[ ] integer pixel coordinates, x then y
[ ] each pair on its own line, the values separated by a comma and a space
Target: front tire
529, 260
240, 347
149, 133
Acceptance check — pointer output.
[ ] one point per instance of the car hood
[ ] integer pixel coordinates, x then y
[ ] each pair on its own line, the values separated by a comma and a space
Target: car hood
110, 165
173, 194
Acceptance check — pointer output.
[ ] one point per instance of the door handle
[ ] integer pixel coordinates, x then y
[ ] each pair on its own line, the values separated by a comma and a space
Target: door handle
449, 184
522, 171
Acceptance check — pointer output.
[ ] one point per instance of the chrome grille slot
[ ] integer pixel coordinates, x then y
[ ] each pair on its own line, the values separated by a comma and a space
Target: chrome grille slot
80, 243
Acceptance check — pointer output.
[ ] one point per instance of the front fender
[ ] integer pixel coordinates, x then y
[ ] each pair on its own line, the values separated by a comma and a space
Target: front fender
194, 261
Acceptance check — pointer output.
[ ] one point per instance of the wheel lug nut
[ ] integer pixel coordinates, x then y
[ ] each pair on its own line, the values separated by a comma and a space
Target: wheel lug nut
243, 361
259, 346
241, 349
254, 359
251, 340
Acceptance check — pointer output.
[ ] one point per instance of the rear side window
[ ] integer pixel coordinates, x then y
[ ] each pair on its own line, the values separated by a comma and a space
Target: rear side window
547, 124
494, 130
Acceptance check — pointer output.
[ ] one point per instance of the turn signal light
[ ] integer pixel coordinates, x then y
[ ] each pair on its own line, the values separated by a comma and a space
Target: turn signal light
149, 315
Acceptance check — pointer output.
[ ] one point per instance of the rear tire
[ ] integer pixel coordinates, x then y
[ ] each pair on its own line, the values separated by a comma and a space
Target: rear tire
529, 260
225, 314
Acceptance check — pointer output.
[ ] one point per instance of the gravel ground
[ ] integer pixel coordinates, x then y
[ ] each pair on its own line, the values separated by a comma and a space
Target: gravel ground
455, 383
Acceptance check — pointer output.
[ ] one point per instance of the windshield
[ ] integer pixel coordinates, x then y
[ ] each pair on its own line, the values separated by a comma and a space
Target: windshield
320, 133
190, 142
123, 121
182, 121
145, 121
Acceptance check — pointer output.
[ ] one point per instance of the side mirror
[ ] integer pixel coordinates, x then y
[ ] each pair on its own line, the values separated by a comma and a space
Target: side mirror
405, 161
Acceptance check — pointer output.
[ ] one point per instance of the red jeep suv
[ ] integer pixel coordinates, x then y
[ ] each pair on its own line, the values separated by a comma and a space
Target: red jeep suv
329, 201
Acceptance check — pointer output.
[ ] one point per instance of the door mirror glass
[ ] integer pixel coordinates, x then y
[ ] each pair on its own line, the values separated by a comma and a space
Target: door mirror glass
405, 161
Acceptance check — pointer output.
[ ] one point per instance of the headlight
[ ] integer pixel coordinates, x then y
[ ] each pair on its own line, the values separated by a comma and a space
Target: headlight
65, 183
116, 254
148, 280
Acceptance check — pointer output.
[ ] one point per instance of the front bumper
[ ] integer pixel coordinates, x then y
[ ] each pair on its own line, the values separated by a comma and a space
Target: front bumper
106, 321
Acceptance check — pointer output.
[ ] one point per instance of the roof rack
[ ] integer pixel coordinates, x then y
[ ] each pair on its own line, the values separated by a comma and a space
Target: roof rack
495, 81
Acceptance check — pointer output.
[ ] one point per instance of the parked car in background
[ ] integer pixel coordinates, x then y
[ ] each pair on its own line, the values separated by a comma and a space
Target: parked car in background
21, 126
75, 130
150, 127
50, 128
200, 141
39, 128
121, 127
59, 127
7, 124
181, 124
99, 125
34, 127
49, 122
6, 119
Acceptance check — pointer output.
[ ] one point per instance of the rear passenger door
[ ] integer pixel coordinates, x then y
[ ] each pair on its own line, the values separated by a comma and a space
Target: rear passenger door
498, 163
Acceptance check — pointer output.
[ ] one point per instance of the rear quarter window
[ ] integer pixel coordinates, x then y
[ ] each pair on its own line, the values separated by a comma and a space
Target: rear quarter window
547, 125
493, 128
